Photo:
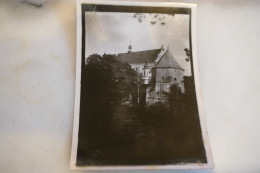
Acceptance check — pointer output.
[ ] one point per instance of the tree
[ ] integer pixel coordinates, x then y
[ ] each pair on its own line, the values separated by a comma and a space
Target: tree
175, 99
106, 83
160, 19
110, 80
190, 94
187, 54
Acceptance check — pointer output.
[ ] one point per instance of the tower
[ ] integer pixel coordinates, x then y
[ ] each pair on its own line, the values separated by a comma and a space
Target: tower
146, 73
130, 48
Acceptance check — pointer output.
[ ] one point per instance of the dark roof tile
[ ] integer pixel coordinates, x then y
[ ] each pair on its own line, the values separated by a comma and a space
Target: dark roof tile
139, 57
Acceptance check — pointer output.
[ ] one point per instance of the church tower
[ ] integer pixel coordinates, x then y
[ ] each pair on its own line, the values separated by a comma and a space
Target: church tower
130, 48
146, 73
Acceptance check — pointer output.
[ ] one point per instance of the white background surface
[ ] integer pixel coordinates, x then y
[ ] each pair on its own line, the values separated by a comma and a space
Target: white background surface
37, 76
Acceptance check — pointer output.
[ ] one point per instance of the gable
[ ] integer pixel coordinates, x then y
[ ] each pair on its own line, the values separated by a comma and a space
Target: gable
167, 61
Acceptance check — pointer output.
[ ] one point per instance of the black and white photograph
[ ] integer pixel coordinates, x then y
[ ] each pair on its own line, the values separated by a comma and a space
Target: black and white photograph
129, 86
137, 100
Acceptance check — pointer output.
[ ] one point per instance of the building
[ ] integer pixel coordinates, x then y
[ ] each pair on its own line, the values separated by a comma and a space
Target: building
158, 71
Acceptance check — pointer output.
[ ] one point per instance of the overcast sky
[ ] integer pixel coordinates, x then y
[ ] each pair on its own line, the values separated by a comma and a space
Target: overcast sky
111, 33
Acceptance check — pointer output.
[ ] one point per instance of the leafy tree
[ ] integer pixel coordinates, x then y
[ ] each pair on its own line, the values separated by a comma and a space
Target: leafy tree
175, 99
110, 80
190, 94
188, 54
106, 83
160, 19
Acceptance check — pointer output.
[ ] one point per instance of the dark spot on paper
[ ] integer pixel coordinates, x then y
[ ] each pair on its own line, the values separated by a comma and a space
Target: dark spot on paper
33, 4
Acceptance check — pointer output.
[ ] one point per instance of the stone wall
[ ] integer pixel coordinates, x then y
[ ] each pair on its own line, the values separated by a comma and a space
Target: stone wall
163, 79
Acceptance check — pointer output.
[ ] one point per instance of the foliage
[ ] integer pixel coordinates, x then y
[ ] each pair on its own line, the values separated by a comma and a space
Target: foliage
190, 93
160, 19
107, 84
175, 99
188, 54
110, 80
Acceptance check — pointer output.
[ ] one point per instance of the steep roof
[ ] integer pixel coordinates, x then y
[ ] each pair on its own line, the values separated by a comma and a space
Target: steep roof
167, 61
138, 57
